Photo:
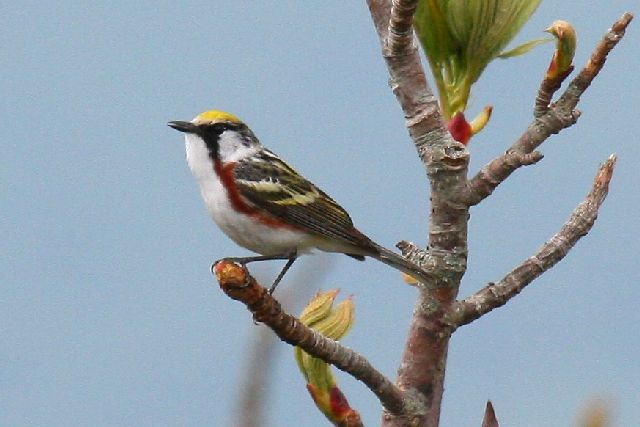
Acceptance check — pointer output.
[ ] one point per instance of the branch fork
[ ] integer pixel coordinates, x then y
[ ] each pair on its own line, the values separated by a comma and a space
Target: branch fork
582, 219
415, 398
549, 118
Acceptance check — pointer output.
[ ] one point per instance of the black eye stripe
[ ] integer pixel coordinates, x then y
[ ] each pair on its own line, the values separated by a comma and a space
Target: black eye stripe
211, 134
221, 127
214, 130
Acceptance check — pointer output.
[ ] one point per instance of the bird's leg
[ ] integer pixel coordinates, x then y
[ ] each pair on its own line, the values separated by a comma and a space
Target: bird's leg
290, 256
286, 267
247, 259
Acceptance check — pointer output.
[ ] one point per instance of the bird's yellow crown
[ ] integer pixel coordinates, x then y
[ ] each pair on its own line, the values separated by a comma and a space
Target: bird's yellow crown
214, 116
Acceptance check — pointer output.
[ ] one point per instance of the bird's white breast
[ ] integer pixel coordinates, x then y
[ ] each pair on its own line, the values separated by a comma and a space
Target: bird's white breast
243, 229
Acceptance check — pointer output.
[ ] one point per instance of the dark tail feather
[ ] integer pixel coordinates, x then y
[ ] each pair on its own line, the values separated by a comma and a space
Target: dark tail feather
396, 261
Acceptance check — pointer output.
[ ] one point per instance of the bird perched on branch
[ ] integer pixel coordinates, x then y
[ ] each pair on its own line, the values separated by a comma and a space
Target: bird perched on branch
264, 205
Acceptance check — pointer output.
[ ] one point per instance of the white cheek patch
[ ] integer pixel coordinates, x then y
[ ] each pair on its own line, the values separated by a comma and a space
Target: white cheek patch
232, 147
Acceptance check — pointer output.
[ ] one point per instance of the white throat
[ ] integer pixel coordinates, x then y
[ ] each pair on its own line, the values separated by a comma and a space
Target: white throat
198, 159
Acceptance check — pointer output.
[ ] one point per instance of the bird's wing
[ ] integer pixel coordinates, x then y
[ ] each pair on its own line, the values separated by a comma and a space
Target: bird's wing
269, 183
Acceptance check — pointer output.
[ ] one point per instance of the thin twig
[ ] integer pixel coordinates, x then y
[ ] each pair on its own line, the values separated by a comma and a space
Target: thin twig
559, 116
238, 284
581, 82
580, 222
495, 172
548, 87
254, 391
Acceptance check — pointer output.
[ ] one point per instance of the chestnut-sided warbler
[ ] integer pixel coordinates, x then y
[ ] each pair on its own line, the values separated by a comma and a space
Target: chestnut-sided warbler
263, 204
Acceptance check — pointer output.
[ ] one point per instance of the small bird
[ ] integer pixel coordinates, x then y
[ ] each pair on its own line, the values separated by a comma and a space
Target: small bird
264, 205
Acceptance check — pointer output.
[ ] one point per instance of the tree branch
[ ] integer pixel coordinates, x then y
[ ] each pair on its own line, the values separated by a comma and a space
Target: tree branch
579, 224
238, 284
548, 87
578, 85
421, 371
254, 391
400, 32
407, 80
557, 117
494, 173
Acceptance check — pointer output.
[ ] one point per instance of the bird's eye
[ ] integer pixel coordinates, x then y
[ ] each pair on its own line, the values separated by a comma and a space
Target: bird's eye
215, 129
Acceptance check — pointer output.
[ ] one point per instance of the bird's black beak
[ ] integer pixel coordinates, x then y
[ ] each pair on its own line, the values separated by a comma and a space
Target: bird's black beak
186, 127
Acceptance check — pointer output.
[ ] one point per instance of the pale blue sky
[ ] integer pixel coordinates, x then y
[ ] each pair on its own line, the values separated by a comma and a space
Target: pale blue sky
108, 313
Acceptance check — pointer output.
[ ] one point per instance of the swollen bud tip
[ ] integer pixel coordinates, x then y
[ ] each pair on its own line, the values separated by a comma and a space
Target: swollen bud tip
332, 322
459, 128
566, 40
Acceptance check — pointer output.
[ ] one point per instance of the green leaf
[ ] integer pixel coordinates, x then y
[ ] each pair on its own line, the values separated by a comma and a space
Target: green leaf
461, 37
524, 47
